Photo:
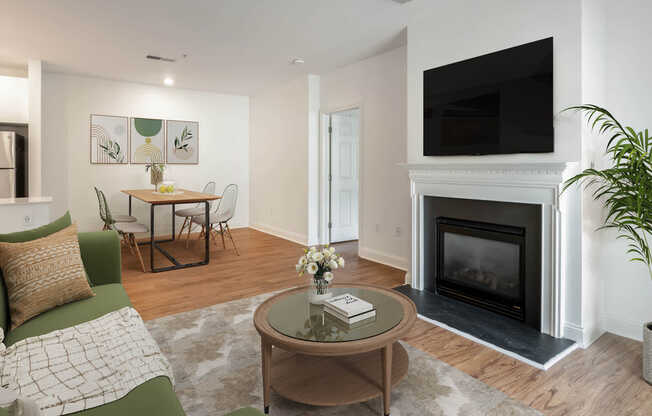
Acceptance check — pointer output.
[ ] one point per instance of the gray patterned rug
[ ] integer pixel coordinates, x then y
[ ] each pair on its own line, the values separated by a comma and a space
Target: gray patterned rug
215, 355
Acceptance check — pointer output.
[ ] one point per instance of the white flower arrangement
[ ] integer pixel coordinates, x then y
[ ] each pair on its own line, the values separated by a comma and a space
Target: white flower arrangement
319, 263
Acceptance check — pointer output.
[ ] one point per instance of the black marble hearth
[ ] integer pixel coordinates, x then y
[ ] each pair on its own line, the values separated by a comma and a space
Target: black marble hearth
501, 331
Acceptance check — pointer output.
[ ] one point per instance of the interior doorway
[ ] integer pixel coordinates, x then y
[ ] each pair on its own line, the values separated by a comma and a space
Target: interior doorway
343, 174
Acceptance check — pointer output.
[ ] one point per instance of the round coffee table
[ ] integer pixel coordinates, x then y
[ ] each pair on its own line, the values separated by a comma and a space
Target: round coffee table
319, 360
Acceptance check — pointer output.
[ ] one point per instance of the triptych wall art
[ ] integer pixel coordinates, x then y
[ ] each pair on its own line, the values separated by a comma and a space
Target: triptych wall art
122, 140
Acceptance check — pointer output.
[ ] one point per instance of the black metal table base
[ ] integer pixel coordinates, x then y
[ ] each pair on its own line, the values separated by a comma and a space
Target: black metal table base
154, 244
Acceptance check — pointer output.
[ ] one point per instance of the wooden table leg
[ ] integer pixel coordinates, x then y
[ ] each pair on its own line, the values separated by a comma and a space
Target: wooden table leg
266, 353
386, 360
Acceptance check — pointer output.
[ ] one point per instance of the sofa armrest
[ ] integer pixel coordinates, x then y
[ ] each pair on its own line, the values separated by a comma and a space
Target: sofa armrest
100, 252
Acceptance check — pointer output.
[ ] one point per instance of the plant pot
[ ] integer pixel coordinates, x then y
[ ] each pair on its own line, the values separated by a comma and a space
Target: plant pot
647, 352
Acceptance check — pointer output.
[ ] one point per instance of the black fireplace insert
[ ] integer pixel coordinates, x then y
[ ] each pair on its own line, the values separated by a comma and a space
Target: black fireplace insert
482, 264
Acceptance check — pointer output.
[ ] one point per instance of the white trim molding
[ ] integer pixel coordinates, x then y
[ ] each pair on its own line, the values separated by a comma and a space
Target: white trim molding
301, 239
531, 183
376, 256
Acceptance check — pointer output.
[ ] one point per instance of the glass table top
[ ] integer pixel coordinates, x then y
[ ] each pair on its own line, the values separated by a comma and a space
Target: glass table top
295, 317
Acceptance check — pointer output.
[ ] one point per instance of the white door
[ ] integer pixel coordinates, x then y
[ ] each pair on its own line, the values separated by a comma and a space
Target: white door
344, 145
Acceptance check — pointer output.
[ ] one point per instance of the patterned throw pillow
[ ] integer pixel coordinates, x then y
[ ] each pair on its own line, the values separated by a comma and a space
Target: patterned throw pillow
42, 274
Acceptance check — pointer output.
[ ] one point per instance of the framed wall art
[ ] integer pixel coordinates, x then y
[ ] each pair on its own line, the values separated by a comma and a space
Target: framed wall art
109, 139
147, 140
182, 142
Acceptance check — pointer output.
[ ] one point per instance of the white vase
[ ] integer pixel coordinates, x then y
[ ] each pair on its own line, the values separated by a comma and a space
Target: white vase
319, 291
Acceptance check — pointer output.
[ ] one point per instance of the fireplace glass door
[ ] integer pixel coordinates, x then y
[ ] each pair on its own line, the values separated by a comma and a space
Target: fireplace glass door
482, 264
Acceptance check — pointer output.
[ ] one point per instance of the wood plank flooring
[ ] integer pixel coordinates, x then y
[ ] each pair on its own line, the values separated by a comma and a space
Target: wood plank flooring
604, 379
266, 263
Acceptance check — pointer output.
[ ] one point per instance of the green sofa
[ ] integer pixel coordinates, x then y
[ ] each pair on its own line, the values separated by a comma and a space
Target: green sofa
100, 253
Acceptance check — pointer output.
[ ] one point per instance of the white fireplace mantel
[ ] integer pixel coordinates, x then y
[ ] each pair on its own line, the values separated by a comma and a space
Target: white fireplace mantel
531, 183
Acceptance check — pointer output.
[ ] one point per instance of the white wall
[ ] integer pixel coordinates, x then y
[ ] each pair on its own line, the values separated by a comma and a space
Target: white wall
13, 99
314, 94
69, 177
280, 137
455, 30
377, 86
36, 126
627, 287
593, 91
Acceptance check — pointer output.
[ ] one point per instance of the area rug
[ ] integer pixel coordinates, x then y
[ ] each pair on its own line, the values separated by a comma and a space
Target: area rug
215, 356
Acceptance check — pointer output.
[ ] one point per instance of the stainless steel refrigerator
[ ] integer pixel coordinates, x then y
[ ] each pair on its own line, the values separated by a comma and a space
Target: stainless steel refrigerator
13, 165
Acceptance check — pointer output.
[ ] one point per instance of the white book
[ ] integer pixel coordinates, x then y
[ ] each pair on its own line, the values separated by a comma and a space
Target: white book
348, 305
353, 319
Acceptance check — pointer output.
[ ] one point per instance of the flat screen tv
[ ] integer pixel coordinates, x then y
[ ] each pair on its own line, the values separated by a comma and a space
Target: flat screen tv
493, 104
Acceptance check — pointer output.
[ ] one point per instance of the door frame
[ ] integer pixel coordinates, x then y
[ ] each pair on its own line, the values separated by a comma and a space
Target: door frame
324, 162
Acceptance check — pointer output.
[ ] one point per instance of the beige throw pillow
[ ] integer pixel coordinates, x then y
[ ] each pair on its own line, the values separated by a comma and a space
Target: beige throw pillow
42, 274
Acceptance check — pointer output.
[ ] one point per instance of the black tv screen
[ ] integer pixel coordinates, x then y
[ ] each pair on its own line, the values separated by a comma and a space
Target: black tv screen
493, 104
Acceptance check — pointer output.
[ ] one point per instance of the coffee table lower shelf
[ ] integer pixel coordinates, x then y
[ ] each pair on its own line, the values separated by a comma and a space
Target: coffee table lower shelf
332, 381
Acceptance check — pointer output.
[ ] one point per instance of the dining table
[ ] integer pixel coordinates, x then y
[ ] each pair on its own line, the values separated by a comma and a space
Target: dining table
180, 196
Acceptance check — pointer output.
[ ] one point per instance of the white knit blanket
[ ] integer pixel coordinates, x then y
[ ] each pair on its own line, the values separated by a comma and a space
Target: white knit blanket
84, 366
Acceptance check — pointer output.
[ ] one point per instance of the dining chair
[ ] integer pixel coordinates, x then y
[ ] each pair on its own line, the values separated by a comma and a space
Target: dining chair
125, 229
221, 217
115, 218
198, 209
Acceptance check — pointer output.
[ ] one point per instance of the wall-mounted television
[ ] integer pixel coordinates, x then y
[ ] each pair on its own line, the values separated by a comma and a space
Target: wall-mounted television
494, 104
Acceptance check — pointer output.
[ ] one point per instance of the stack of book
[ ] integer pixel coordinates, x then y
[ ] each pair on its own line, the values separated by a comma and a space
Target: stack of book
349, 309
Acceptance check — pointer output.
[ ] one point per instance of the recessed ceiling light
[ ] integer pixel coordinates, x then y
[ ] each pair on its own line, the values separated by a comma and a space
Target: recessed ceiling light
297, 61
168, 81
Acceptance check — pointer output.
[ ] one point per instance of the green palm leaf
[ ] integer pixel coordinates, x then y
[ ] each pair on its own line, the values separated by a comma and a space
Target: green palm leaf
626, 187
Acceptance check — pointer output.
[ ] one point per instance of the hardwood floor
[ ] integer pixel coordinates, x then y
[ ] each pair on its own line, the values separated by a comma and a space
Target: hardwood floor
604, 379
266, 263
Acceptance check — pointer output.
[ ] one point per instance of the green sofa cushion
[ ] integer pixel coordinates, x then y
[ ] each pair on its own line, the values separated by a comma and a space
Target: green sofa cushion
154, 397
100, 252
107, 298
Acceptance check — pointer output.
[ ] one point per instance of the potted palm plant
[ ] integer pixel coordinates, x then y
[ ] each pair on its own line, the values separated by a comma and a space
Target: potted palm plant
625, 188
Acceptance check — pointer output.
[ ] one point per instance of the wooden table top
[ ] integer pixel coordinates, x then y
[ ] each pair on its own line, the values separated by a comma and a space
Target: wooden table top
187, 197
274, 337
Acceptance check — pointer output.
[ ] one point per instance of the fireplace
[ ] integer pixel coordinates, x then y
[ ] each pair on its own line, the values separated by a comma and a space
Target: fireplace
482, 264
486, 253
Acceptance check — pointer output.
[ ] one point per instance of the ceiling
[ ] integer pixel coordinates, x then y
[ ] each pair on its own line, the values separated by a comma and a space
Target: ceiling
232, 46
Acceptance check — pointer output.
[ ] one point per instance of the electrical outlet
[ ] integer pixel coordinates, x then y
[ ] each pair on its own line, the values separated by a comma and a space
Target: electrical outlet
397, 232
27, 220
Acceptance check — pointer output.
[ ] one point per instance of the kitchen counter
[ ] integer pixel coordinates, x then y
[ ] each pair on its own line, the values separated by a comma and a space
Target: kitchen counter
26, 201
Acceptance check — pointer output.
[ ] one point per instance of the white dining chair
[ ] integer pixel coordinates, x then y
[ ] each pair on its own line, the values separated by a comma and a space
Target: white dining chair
221, 217
199, 209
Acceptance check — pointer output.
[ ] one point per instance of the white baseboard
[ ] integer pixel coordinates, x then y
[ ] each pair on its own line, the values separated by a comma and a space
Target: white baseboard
527, 361
625, 328
583, 336
277, 232
383, 258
